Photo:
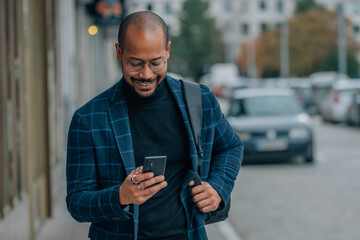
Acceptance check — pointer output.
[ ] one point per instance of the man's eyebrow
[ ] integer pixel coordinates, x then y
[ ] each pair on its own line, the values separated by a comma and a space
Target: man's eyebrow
138, 59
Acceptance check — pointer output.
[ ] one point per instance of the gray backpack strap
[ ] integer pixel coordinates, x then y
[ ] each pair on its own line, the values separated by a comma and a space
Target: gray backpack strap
192, 95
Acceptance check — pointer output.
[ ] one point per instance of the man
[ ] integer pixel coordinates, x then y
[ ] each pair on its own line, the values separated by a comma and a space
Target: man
144, 115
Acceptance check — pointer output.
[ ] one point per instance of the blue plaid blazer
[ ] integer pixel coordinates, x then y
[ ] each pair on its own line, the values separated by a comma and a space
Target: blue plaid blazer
100, 155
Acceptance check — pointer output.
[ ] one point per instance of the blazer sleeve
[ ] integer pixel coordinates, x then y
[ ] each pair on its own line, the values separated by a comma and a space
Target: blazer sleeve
227, 153
85, 201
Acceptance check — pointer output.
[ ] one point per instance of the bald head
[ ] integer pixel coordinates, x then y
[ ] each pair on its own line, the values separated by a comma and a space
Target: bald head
142, 21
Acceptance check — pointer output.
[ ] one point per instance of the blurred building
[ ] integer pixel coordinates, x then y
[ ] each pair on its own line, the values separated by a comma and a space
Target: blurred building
243, 20
351, 10
240, 20
50, 64
28, 97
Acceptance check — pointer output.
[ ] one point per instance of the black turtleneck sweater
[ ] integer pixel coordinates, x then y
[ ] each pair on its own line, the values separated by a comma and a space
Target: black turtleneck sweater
157, 128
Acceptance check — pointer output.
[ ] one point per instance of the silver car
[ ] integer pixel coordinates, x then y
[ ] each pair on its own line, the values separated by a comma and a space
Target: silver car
272, 125
353, 113
335, 105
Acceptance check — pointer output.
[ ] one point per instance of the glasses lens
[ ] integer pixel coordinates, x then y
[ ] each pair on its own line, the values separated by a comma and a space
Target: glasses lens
157, 65
134, 66
137, 66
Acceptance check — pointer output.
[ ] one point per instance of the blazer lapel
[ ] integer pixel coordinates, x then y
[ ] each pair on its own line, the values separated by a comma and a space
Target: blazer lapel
176, 89
119, 121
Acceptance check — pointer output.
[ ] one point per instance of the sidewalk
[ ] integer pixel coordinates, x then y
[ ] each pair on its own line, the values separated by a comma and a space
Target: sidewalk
61, 226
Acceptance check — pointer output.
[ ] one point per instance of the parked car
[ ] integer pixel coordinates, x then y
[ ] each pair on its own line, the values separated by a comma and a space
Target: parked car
272, 125
334, 106
221, 76
321, 83
302, 89
353, 113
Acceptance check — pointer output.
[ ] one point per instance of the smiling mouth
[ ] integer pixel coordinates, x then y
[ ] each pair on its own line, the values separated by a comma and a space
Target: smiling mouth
144, 82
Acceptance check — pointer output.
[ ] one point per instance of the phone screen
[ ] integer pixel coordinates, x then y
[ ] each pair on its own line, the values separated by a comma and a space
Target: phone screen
155, 164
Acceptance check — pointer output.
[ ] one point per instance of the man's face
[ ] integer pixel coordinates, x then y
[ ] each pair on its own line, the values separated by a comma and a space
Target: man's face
142, 59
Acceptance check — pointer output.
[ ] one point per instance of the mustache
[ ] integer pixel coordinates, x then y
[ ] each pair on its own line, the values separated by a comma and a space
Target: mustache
142, 80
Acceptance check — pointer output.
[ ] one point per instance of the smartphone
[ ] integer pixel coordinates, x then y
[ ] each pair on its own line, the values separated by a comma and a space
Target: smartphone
155, 164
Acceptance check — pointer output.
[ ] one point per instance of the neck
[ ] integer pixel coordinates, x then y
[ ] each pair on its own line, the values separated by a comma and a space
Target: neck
134, 97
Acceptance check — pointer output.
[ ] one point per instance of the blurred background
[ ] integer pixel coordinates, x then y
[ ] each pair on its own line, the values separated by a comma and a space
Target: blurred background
285, 73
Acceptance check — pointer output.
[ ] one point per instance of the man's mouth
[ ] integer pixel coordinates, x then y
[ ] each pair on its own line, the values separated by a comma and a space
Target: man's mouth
144, 82
145, 87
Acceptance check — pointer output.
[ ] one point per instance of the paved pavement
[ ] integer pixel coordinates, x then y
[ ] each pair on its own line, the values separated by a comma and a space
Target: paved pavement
61, 226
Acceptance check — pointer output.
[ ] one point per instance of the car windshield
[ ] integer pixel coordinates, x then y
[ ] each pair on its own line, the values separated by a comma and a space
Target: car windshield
265, 106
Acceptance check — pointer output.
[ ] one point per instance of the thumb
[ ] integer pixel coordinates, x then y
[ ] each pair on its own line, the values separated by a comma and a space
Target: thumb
132, 173
192, 183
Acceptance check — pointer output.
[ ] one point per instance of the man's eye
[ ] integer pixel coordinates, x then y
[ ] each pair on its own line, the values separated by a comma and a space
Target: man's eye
155, 64
135, 64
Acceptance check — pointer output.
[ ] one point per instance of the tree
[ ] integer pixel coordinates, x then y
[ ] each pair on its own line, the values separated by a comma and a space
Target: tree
199, 44
312, 37
331, 62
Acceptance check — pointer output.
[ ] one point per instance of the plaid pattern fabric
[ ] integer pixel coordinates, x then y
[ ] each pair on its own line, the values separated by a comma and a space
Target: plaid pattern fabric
100, 156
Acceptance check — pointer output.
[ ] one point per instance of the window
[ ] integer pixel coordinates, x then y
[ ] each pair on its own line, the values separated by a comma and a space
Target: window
356, 8
246, 7
339, 7
149, 7
265, 106
262, 5
280, 6
264, 27
245, 28
167, 8
227, 6
356, 29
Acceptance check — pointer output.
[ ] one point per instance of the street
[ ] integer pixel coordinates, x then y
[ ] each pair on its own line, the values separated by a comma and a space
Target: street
295, 201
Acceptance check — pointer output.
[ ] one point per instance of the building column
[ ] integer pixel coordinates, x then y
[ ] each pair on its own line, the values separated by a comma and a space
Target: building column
36, 73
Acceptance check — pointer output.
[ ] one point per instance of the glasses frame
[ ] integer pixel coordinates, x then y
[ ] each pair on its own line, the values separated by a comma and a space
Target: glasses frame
143, 64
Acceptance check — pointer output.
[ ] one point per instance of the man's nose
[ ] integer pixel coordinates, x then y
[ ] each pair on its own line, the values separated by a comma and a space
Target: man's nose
146, 72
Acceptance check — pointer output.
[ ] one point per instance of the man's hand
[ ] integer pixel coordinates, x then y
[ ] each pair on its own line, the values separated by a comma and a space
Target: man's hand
207, 199
141, 188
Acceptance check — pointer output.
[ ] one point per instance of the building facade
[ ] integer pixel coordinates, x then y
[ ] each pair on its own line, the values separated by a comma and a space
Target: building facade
49, 66
244, 20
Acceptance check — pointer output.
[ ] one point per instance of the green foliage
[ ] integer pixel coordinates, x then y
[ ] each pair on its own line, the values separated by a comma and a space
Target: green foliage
198, 44
312, 36
305, 5
330, 63
312, 45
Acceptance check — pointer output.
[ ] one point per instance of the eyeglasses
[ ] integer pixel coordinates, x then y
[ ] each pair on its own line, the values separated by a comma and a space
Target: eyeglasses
137, 65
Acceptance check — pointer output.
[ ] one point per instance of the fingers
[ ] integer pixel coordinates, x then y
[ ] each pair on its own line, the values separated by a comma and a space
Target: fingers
139, 170
138, 187
192, 183
151, 191
207, 199
200, 197
138, 178
208, 208
151, 181
200, 188
142, 196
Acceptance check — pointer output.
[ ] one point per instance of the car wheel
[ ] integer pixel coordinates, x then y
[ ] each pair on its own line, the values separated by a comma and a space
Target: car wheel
309, 157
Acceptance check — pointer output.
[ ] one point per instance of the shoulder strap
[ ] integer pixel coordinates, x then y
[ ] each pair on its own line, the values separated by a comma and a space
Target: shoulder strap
192, 96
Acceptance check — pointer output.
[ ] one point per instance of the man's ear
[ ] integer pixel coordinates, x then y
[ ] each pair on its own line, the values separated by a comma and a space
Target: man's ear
118, 52
168, 49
